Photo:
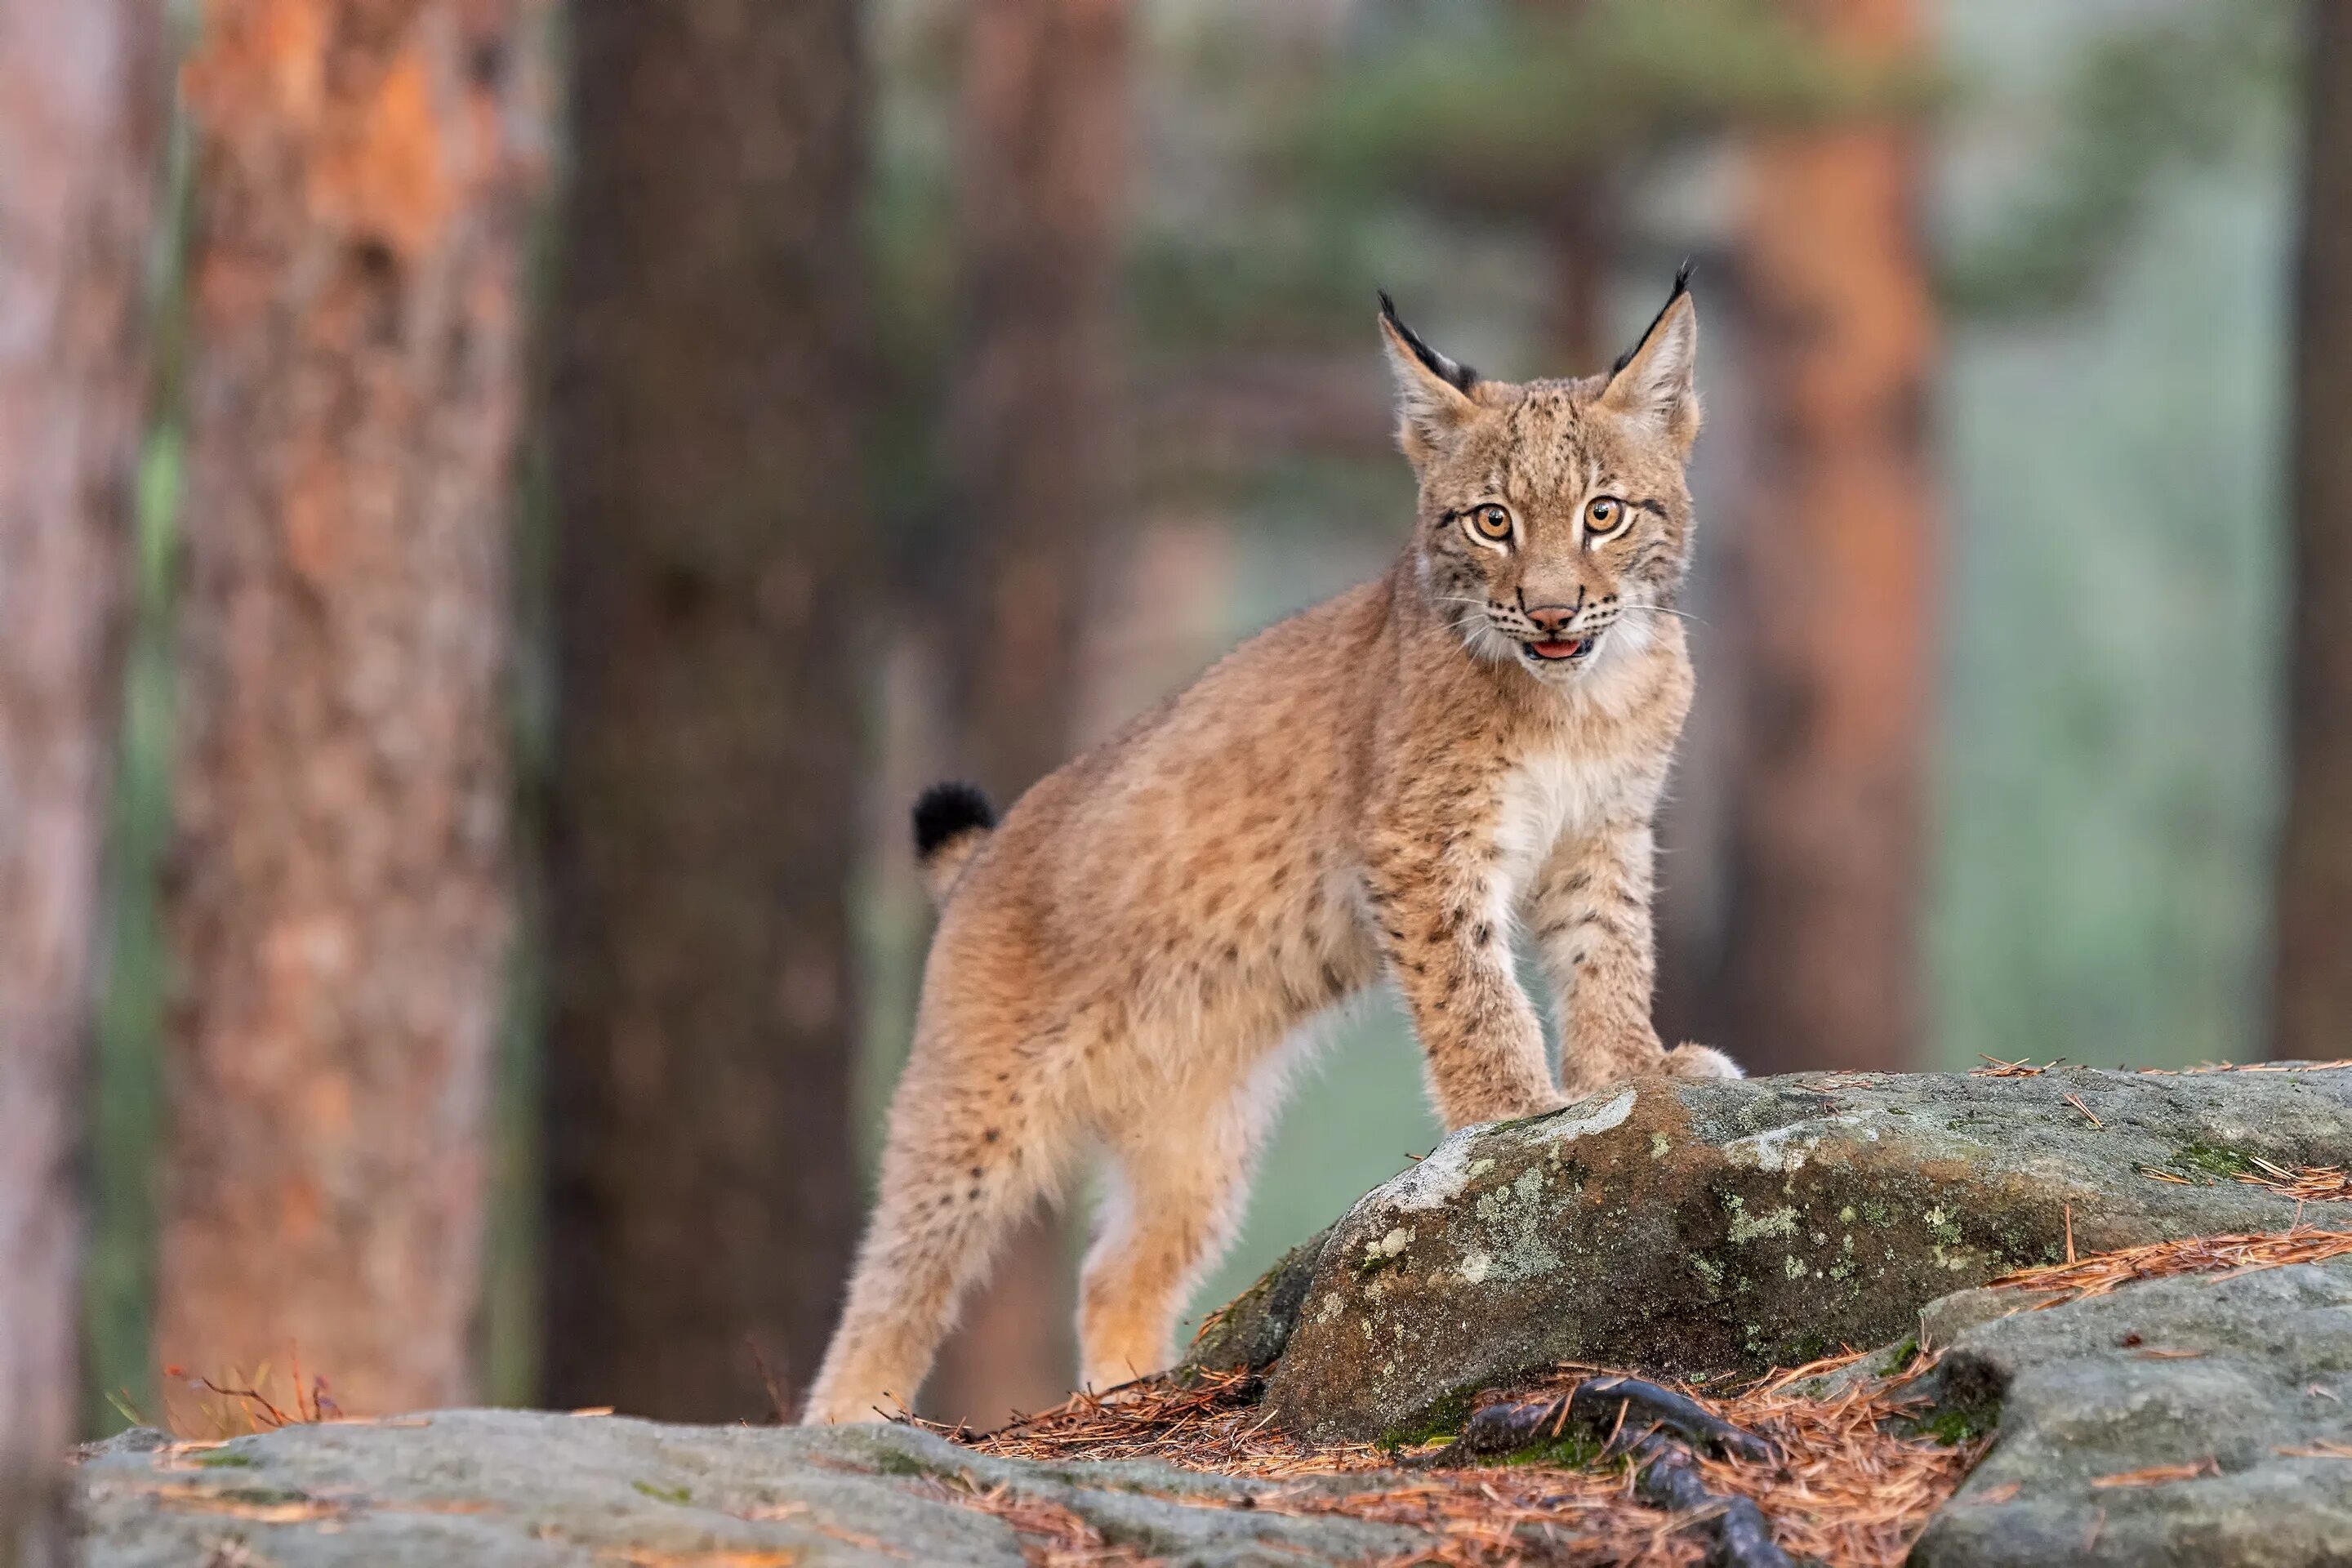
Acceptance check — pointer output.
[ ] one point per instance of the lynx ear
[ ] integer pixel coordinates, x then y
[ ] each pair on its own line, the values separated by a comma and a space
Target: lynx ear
1655, 382
1433, 392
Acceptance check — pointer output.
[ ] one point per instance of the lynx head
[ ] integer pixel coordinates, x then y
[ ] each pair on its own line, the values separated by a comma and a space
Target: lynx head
1555, 522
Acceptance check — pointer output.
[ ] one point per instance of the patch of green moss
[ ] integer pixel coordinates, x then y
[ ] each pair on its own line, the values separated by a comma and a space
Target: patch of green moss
1573, 1449
1441, 1418
1899, 1357
1955, 1426
227, 1459
263, 1496
2213, 1160
664, 1494
890, 1461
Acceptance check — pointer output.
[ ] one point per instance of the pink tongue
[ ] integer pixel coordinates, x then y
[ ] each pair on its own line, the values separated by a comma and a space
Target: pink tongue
1556, 650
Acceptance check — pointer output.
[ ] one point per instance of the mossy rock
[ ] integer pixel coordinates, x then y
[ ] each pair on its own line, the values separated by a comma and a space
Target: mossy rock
1714, 1228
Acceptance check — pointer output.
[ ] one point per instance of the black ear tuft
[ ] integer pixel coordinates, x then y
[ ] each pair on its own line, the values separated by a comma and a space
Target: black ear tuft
946, 811
1682, 286
1459, 376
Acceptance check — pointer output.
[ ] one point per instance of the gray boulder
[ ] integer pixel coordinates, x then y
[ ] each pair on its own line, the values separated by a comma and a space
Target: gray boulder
1680, 1228
2238, 1385
1706, 1228
505, 1489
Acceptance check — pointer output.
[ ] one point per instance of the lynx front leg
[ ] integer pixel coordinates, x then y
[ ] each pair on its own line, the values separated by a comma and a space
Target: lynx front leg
1592, 917
1451, 959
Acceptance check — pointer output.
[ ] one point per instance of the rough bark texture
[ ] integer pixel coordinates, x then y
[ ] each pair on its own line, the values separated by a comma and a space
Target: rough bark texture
2315, 883
702, 1176
1836, 598
1041, 176
79, 105
337, 903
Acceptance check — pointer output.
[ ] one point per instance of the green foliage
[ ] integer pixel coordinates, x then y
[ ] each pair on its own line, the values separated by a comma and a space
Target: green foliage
1499, 117
2188, 87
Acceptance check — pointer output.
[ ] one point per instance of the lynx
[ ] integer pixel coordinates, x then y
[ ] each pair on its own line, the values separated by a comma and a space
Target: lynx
1392, 783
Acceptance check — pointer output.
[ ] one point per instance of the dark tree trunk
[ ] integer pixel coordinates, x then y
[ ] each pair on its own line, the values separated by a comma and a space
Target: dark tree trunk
1836, 603
1581, 231
2315, 869
711, 534
337, 905
80, 101
1039, 181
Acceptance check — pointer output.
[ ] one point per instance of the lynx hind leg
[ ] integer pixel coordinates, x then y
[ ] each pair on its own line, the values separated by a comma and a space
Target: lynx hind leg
967, 1156
1173, 1206
1691, 1060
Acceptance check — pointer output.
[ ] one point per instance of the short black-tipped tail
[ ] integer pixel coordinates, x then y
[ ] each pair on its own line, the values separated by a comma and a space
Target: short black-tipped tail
950, 822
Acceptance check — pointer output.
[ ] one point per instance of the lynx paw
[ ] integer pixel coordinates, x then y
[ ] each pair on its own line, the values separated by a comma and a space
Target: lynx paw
1688, 1060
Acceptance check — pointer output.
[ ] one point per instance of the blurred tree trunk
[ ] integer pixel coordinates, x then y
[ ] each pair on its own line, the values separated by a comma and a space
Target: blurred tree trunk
80, 104
337, 903
2314, 1008
711, 534
1837, 593
1041, 183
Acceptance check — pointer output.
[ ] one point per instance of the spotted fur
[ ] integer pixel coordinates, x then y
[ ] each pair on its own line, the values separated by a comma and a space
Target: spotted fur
1393, 784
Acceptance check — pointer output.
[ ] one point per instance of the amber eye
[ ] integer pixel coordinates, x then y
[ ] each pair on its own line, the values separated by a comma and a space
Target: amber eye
1491, 523
1604, 514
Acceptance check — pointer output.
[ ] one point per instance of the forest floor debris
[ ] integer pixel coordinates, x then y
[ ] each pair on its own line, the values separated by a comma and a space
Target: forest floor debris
2102, 1272
1846, 1486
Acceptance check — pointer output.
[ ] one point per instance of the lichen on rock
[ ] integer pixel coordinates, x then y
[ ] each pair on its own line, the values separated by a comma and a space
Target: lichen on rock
1703, 1228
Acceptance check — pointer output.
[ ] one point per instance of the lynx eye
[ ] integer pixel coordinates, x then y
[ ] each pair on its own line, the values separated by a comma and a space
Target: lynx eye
1603, 515
1491, 523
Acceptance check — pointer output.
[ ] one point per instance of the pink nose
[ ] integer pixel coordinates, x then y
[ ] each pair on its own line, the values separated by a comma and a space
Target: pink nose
1552, 619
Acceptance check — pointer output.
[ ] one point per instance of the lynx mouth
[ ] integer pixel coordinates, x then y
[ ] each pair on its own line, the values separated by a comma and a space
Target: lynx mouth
1560, 648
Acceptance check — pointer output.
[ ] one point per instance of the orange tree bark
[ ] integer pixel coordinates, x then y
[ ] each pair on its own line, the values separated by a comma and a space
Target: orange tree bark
711, 533
2313, 1007
337, 901
79, 105
1837, 586
1040, 178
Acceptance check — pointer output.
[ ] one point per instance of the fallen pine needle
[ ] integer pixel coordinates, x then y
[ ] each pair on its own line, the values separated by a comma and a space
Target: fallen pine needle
2309, 1183
1052, 1536
1995, 1068
2076, 1102
2162, 1475
1846, 1489
2105, 1271
2322, 1450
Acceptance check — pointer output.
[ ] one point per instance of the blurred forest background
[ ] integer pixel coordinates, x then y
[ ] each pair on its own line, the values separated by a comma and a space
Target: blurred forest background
508, 502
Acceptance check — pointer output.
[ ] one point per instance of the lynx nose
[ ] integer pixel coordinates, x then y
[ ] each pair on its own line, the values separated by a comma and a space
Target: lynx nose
1552, 619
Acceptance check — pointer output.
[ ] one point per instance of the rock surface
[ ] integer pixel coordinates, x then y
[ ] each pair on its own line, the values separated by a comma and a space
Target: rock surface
524, 1489
2245, 1378
1678, 1227
1711, 1227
